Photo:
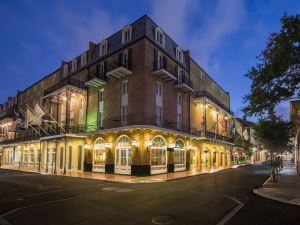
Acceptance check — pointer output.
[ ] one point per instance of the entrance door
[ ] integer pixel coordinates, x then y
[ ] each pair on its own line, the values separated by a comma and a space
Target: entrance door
123, 161
193, 160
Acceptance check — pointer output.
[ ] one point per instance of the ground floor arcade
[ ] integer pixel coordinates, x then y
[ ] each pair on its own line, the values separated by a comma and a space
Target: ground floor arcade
132, 151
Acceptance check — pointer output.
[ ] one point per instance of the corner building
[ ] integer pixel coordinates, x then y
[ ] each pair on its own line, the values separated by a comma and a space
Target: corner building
135, 104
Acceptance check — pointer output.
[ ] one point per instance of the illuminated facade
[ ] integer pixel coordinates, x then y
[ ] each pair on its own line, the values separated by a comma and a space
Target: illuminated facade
135, 103
295, 119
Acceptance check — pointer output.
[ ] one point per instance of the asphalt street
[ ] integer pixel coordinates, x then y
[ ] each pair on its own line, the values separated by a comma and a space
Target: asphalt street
27, 198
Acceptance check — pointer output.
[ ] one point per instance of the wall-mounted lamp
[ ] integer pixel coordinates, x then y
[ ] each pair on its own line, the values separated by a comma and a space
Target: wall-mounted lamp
172, 145
148, 143
108, 145
189, 146
86, 146
135, 143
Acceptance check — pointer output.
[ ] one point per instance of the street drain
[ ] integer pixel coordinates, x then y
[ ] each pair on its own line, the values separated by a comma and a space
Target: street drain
161, 220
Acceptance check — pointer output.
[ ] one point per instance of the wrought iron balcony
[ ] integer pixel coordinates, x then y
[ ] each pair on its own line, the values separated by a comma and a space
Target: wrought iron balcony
203, 93
165, 71
65, 82
119, 69
96, 80
184, 84
211, 135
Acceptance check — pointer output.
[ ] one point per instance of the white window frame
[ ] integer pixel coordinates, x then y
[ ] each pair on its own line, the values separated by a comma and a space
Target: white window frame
124, 102
83, 59
65, 70
159, 36
103, 48
179, 54
126, 34
74, 65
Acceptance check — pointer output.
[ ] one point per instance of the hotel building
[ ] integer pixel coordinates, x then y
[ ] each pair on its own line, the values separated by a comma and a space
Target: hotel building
136, 103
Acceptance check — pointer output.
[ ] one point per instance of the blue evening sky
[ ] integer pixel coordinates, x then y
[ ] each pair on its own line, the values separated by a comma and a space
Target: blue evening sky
223, 36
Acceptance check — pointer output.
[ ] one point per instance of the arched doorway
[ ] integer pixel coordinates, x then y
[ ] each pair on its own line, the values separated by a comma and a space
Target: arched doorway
158, 155
204, 158
99, 155
123, 155
179, 156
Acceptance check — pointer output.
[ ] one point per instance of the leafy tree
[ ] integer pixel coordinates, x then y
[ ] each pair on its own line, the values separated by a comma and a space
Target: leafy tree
245, 144
276, 77
274, 134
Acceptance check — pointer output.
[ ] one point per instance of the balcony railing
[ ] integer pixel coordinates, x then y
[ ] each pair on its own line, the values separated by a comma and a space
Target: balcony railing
184, 84
63, 83
137, 119
165, 71
203, 93
96, 80
211, 135
119, 69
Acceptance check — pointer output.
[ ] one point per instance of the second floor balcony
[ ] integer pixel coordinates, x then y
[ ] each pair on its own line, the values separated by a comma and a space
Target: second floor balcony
68, 81
211, 135
119, 69
184, 84
164, 71
205, 94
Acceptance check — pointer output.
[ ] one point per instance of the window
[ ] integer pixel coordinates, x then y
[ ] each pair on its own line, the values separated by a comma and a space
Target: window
159, 103
124, 102
179, 152
99, 152
102, 70
83, 59
101, 105
202, 76
179, 55
70, 158
74, 65
159, 37
54, 78
158, 152
221, 93
212, 86
65, 70
103, 48
126, 34
179, 111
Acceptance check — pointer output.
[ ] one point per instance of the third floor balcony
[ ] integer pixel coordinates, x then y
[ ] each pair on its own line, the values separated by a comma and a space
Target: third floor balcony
164, 70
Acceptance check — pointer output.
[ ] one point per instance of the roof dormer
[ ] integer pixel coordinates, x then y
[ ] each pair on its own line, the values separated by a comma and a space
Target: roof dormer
126, 34
160, 36
103, 48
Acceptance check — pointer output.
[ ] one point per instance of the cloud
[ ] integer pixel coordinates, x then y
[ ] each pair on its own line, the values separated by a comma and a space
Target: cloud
173, 17
214, 22
82, 29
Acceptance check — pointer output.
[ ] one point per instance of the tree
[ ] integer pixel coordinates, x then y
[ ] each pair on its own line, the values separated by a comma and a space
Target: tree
276, 77
274, 134
245, 144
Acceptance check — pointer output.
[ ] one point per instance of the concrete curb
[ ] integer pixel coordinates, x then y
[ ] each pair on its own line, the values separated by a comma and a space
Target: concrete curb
260, 192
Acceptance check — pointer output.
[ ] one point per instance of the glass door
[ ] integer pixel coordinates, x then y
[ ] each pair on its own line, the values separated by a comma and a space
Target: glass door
123, 161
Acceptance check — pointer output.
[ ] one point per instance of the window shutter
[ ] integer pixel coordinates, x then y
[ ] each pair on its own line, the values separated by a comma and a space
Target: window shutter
120, 59
164, 62
129, 58
155, 55
97, 70
105, 68
176, 71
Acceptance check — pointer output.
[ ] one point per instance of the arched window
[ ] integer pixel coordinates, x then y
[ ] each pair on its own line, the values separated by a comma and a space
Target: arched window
123, 141
99, 152
158, 152
179, 152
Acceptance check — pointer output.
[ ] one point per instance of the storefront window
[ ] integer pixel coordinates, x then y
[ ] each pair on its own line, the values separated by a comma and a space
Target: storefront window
179, 152
25, 160
99, 152
31, 155
158, 152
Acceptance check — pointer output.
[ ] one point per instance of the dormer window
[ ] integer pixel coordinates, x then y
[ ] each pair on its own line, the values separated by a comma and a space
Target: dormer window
179, 55
159, 36
83, 59
54, 78
202, 76
126, 34
212, 86
103, 48
74, 65
65, 70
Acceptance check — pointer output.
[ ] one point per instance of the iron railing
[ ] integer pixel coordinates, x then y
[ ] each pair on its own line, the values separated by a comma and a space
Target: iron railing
64, 82
206, 94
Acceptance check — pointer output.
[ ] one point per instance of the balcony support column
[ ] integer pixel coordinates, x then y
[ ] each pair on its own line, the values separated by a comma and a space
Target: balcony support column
68, 100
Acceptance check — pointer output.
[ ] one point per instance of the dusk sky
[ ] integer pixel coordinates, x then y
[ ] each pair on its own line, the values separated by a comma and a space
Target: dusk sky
224, 37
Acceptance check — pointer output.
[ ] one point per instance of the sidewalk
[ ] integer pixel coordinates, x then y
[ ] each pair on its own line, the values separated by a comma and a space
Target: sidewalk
286, 190
123, 178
